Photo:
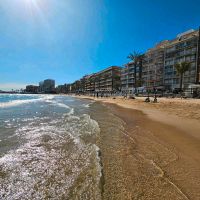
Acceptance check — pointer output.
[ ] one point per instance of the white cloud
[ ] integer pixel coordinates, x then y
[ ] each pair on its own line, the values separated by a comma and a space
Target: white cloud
10, 86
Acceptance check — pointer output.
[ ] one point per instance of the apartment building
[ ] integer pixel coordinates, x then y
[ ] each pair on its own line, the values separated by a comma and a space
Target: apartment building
131, 77
33, 89
64, 89
47, 86
76, 87
158, 72
125, 79
153, 66
105, 80
183, 48
108, 80
89, 84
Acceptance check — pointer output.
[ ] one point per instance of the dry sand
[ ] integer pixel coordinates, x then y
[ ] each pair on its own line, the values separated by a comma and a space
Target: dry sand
181, 113
157, 155
183, 108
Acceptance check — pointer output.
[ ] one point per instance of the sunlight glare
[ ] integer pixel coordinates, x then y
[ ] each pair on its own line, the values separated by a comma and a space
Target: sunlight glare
36, 8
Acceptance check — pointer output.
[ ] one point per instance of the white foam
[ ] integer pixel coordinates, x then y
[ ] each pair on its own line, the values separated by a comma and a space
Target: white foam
71, 110
99, 167
62, 105
31, 163
16, 103
88, 105
26, 101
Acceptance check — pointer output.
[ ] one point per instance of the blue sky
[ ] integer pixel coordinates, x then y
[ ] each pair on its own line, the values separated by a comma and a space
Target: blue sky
66, 39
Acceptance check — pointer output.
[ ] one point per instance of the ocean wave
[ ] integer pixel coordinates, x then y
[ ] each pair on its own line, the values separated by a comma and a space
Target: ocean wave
24, 101
17, 102
71, 110
82, 129
52, 159
88, 105
56, 155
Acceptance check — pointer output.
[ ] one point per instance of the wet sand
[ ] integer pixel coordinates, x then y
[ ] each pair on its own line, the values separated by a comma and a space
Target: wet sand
148, 159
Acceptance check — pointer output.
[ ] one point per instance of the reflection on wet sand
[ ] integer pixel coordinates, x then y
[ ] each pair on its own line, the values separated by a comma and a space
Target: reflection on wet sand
144, 159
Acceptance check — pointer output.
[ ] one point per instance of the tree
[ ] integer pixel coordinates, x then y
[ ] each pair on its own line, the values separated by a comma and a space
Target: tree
137, 58
181, 68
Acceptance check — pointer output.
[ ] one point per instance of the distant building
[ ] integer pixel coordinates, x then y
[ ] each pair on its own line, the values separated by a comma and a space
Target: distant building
76, 87
32, 89
63, 89
107, 80
47, 86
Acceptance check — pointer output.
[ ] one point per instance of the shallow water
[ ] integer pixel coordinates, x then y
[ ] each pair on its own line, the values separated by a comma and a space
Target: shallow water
135, 162
48, 148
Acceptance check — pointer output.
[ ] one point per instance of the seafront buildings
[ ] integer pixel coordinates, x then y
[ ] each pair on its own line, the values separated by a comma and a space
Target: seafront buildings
108, 80
153, 67
183, 48
131, 77
64, 89
90, 84
158, 66
47, 86
154, 71
32, 89
105, 81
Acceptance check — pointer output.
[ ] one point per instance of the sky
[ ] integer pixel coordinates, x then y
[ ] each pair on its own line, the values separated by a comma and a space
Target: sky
67, 39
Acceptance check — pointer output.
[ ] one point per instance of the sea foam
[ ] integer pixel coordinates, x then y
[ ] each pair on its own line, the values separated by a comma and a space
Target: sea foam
24, 101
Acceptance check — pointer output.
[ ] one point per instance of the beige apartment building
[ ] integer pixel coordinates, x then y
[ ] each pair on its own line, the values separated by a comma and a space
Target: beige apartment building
131, 77
108, 80
89, 84
158, 65
153, 67
183, 48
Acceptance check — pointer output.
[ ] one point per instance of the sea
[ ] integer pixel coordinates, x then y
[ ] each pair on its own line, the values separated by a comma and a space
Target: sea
48, 148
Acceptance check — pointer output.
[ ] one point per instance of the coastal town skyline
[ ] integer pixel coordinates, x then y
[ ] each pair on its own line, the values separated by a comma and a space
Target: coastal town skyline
29, 54
154, 70
180, 38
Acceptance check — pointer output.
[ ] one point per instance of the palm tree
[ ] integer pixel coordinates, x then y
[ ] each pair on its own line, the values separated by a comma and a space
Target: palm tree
181, 68
137, 58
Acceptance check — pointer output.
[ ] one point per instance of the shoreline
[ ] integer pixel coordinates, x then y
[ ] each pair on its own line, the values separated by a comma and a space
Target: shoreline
153, 157
180, 113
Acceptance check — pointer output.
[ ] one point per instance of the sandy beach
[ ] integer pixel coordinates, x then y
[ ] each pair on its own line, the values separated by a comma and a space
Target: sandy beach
156, 155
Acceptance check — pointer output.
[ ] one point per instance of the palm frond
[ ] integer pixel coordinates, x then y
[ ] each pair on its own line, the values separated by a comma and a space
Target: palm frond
135, 56
181, 68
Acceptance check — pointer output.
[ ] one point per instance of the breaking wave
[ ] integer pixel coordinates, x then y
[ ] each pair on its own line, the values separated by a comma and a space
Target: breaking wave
35, 98
57, 158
